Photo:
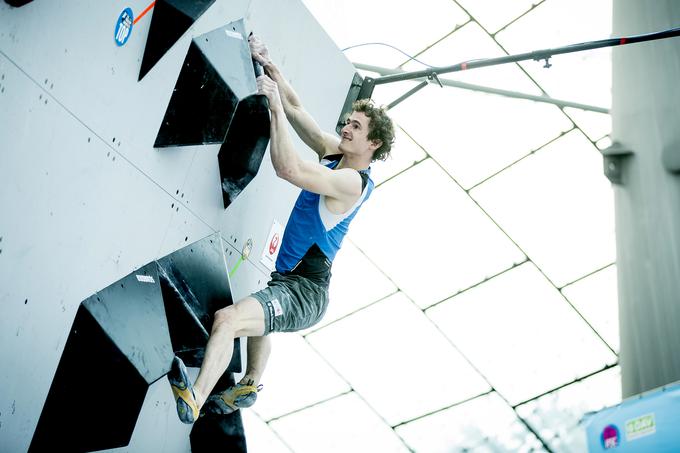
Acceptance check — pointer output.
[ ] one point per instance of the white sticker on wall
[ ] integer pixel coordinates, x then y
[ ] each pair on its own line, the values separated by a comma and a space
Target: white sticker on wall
146, 278
234, 34
272, 245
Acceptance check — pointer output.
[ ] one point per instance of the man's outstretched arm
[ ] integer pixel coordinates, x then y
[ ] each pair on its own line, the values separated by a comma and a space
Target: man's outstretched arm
307, 129
342, 184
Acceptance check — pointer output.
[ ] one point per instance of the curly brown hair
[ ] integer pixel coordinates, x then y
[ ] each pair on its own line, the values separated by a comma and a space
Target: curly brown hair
380, 127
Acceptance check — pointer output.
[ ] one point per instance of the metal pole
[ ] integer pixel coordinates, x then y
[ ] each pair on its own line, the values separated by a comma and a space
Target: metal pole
537, 55
485, 89
413, 90
545, 54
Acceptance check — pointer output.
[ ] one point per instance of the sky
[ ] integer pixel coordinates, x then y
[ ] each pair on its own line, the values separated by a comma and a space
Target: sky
473, 306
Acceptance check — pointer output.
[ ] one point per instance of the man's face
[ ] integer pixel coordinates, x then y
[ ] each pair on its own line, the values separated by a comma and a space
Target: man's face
354, 135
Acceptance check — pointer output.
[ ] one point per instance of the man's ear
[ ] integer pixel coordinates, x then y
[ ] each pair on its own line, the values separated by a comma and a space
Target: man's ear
376, 144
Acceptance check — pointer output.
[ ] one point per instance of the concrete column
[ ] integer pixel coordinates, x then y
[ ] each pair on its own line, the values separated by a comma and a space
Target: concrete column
646, 121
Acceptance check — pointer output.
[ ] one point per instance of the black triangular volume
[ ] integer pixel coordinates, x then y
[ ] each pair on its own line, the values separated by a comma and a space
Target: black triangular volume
216, 75
170, 20
119, 344
200, 107
195, 284
241, 154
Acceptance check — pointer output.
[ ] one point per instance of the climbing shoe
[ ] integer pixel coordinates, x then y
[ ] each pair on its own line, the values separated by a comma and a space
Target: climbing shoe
236, 397
187, 408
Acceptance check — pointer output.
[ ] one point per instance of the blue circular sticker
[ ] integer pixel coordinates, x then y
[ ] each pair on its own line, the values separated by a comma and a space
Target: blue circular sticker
123, 27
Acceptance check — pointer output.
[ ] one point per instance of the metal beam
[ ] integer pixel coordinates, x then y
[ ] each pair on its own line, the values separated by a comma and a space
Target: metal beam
484, 89
537, 55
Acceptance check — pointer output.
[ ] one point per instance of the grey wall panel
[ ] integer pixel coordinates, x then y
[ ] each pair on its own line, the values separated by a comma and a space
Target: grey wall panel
76, 217
183, 228
84, 70
84, 197
158, 429
202, 186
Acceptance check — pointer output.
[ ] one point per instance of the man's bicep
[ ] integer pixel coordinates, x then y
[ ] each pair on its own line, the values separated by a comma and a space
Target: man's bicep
319, 179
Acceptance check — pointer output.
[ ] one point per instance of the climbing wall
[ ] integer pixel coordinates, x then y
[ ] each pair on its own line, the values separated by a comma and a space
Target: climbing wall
86, 200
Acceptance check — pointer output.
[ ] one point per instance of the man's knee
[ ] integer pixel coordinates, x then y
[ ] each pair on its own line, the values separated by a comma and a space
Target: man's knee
226, 317
244, 318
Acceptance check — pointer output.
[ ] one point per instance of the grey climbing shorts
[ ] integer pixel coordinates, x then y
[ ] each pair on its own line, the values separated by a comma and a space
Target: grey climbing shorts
291, 303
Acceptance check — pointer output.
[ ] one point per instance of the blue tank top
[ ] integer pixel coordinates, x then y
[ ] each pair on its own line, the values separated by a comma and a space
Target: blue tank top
313, 234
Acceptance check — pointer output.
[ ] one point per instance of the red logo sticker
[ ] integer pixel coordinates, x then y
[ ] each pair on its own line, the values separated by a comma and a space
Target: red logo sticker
274, 244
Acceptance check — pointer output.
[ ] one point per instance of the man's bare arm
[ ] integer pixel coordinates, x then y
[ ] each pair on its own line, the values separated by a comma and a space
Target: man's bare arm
343, 185
304, 125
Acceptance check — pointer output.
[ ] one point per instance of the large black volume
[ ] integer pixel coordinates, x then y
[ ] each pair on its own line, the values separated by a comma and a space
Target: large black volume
118, 346
215, 100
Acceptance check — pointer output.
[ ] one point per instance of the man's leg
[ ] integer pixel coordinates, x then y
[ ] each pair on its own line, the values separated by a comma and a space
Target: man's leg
259, 349
243, 394
243, 319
